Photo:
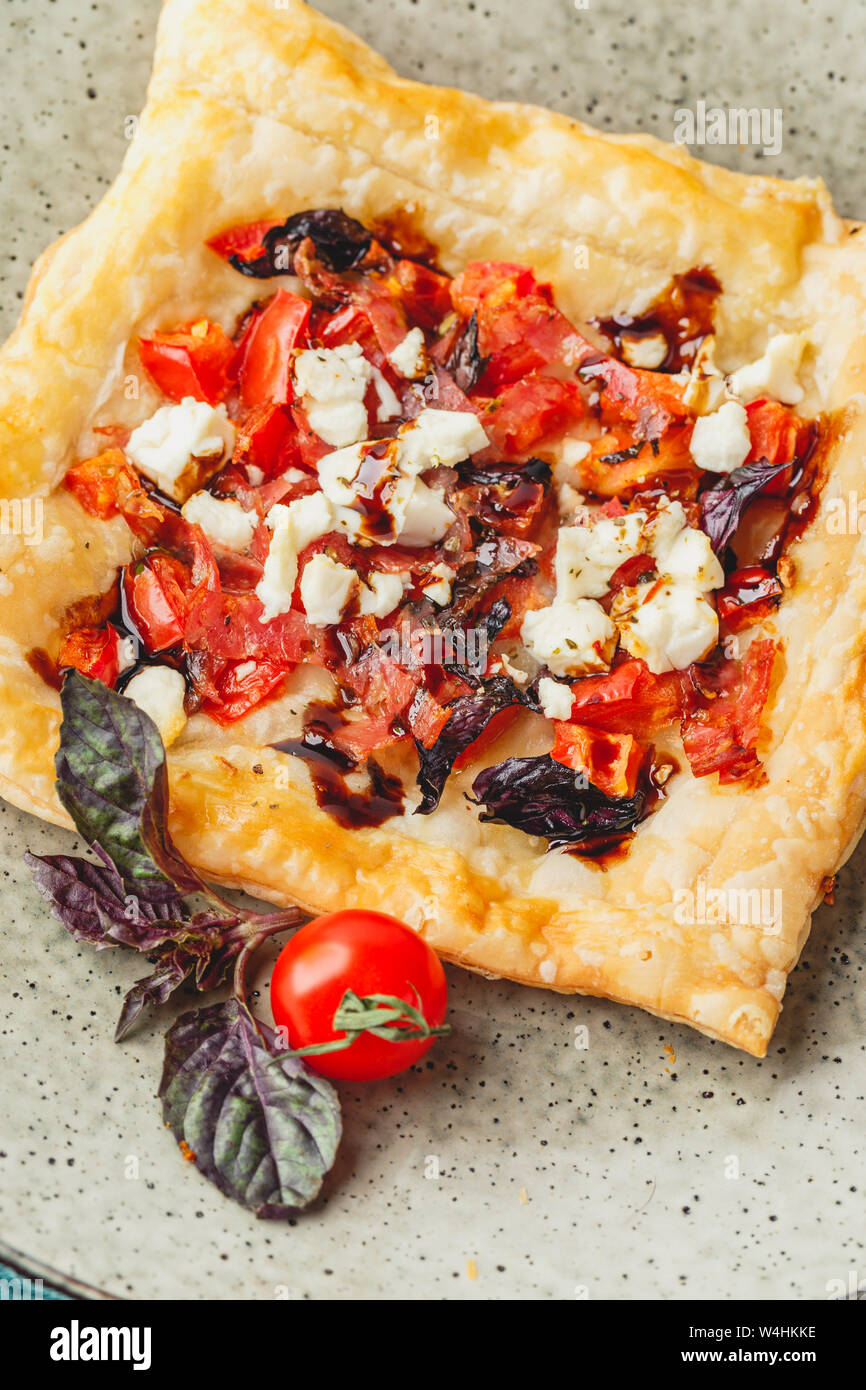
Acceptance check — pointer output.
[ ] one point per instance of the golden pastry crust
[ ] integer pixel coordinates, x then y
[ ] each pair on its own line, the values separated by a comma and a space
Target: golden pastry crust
258, 111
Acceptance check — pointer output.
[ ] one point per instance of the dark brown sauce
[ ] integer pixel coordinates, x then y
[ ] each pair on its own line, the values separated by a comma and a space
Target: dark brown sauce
45, 667
683, 315
329, 767
399, 232
608, 850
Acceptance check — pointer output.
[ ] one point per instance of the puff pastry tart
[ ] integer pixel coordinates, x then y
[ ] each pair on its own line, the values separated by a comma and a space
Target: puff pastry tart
471, 499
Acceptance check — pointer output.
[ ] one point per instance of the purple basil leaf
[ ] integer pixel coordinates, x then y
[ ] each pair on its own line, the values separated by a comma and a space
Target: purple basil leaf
722, 507
256, 1122
466, 364
206, 951
92, 903
543, 797
170, 972
340, 243
112, 780
470, 715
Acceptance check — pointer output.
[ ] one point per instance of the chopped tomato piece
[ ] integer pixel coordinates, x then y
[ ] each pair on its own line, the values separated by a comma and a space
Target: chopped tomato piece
723, 718
425, 292
155, 592
502, 280
629, 699
264, 362
749, 596
779, 436
426, 718
358, 737
519, 330
528, 410
612, 762
94, 651
193, 361
268, 440
383, 685
650, 400
245, 241
102, 483
240, 686
617, 465
630, 572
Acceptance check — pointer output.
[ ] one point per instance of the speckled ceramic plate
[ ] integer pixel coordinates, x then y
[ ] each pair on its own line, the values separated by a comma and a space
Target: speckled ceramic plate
650, 1162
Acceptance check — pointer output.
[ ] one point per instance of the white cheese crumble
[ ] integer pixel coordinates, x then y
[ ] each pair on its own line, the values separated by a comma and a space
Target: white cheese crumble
670, 628
126, 654
332, 384
389, 406
720, 442
555, 698
419, 514
586, 556
381, 594
160, 691
293, 527
224, 521
437, 584
409, 357
774, 374
571, 639
175, 436
326, 587
644, 350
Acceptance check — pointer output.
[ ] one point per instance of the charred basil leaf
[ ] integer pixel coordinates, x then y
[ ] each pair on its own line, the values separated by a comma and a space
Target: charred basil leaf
251, 1117
470, 715
466, 364
486, 629
543, 797
340, 243
507, 476
722, 507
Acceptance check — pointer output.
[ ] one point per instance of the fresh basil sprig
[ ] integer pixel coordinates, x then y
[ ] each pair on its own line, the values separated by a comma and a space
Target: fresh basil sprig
250, 1116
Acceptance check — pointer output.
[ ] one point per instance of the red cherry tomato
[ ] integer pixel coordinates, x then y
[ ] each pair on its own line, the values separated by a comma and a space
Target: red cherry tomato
192, 361
368, 953
264, 363
93, 651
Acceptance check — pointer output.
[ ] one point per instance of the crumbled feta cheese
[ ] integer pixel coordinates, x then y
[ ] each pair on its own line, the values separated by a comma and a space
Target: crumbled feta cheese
224, 521
571, 639
439, 438
419, 514
586, 556
555, 698
705, 387
644, 350
672, 627
775, 373
720, 442
437, 584
176, 436
310, 517
326, 587
381, 594
126, 654
160, 692
389, 406
246, 668
255, 475
294, 527
409, 357
690, 560
332, 383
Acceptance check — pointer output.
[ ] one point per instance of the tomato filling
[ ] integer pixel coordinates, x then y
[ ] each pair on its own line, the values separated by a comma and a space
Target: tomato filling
320, 387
